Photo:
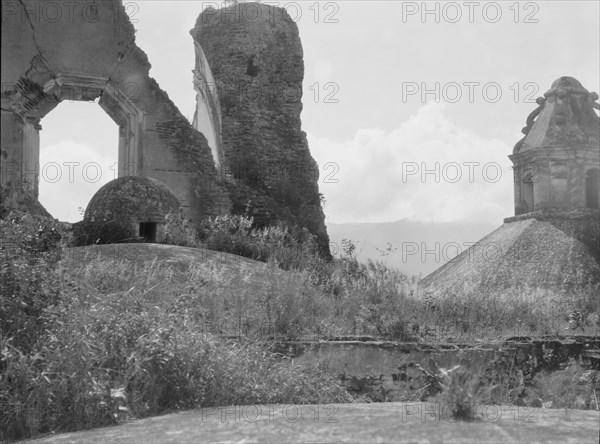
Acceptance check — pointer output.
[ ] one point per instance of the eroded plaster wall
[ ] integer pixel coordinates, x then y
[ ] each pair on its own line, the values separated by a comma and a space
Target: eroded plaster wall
207, 117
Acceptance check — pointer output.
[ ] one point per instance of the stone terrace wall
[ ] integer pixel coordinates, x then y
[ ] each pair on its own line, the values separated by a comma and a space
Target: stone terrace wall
385, 371
256, 58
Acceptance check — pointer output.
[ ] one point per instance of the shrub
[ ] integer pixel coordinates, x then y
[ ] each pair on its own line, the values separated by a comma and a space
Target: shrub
462, 389
31, 248
177, 230
229, 234
464, 394
295, 250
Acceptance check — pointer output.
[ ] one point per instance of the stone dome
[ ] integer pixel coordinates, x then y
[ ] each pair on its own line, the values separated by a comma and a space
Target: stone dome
567, 82
128, 209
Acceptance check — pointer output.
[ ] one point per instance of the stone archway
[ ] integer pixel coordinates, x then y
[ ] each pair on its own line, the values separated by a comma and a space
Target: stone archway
88, 58
72, 87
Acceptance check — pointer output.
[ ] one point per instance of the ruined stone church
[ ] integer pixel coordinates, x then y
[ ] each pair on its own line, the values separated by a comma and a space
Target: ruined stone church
244, 152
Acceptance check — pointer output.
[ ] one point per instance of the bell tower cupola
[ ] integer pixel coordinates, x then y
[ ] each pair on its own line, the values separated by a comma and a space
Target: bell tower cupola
556, 165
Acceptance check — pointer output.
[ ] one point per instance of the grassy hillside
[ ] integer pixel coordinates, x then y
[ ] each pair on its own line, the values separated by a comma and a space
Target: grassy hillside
100, 334
228, 294
94, 336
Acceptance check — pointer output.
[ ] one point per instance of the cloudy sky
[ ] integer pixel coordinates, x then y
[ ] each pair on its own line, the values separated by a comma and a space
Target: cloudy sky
411, 108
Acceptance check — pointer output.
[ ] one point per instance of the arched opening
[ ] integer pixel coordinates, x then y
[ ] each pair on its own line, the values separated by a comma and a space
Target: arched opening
527, 192
24, 118
79, 152
148, 231
592, 188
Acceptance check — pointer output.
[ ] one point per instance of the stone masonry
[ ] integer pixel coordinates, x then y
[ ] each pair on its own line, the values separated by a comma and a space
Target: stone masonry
90, 54
552, 244
241, 153
256, 60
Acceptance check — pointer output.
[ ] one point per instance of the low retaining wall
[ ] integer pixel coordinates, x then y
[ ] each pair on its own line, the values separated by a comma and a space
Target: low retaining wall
386, 370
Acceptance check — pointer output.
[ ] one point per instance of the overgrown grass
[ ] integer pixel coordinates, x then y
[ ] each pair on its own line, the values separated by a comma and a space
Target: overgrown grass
515, 312
118, 358
105, 339
372, 299
117, 342
343, 297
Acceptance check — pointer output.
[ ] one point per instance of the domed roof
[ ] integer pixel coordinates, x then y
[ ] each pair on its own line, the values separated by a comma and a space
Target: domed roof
127, 209
140, 198
565, 117
567, 82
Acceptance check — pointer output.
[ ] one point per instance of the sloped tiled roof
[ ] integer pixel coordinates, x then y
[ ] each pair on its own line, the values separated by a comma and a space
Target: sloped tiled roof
528, 253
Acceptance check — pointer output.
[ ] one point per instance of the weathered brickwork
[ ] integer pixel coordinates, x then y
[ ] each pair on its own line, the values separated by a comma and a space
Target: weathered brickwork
96, 58
118, 209
245, 150
257, 64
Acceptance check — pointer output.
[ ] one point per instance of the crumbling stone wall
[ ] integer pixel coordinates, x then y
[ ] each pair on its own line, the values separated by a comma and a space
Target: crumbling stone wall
87, 51
256, 59
385, 371
256, 157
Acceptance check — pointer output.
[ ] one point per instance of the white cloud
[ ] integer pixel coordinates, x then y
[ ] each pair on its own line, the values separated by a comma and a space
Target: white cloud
70, 174
427, 169
78, 154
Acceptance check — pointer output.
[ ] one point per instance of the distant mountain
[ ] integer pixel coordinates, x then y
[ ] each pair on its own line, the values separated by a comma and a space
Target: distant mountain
417, 247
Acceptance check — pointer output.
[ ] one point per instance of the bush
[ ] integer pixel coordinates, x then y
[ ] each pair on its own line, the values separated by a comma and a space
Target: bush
120, 358
235, 234
31, 248
177, 230
464, 390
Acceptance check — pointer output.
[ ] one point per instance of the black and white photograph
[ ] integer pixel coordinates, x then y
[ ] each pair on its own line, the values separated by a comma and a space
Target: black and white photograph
307, 221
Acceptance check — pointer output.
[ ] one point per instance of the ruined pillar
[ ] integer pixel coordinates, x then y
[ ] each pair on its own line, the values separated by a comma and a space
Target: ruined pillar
256, 59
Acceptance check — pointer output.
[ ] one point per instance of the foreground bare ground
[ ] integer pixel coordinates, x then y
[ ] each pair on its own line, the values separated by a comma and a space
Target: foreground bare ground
364, 423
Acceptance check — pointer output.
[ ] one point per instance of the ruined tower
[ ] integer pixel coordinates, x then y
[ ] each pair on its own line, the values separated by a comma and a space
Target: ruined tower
255, 61
551, 247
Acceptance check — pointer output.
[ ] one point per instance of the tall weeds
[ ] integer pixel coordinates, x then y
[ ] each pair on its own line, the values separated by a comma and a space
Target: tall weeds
104, 339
